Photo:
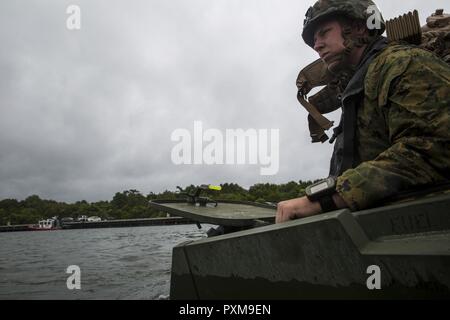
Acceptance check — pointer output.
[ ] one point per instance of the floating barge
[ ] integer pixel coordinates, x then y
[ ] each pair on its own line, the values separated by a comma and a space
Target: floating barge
127, 223
108, 224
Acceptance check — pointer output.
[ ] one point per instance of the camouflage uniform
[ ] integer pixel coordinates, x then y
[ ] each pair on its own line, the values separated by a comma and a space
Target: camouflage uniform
402, 127
394, 133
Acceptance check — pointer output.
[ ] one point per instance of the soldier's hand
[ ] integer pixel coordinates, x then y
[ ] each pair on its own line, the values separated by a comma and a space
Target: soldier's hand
296, 208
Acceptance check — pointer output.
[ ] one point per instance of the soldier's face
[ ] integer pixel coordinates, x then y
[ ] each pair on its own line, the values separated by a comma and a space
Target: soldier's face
329, 43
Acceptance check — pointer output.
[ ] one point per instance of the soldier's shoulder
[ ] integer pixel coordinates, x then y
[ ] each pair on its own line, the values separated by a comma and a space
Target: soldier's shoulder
394, 62
398, 60
396, 57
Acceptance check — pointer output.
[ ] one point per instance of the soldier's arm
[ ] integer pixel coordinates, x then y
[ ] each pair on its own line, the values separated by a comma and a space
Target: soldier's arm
417, 113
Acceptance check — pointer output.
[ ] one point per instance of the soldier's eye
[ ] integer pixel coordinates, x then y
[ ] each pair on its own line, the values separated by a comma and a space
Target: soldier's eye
323, 32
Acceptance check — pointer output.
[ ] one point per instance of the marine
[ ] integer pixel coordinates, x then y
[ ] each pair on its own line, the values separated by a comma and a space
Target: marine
394, 133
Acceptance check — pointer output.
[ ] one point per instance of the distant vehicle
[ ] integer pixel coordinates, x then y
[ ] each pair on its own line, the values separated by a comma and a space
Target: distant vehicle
46, 225
82, 218
94, 219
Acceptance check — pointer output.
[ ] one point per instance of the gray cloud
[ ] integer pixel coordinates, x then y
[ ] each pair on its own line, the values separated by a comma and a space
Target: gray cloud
87, 113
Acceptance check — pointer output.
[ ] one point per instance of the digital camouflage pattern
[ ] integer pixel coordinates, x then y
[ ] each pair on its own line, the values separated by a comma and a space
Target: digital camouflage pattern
324, 9
403, 127
436, 34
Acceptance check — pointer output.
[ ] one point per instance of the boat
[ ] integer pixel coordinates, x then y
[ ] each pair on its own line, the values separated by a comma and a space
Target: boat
94, 219
397, 251
46, 225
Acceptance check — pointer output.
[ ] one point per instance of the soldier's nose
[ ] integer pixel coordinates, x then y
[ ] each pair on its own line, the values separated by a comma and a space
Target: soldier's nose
318, 46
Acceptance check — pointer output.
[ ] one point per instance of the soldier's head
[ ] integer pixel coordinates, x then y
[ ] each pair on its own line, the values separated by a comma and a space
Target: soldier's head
338, 30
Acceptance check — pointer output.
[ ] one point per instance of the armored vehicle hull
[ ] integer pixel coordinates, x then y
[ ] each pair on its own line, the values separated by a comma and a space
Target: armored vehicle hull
398, 251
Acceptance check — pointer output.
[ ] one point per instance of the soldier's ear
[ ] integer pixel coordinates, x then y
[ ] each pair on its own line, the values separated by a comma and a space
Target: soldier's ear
346, 25
359, 28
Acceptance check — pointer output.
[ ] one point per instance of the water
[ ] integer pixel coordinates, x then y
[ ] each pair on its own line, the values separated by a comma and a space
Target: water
115, 263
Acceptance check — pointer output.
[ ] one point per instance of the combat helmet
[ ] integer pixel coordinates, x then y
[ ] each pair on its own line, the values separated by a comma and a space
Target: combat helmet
325, 9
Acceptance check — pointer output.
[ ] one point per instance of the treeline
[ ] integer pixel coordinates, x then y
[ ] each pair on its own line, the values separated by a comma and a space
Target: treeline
132, 204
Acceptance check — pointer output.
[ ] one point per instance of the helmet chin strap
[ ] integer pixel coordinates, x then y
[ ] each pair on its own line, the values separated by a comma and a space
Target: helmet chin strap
343, 71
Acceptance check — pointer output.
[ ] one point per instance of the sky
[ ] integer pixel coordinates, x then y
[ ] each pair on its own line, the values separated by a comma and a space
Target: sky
89, 112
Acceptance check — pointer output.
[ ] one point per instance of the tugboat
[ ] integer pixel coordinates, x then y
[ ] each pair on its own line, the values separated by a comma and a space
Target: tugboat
46, 225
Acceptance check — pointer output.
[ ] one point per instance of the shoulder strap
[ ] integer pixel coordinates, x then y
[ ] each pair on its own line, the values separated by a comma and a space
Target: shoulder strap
314, 75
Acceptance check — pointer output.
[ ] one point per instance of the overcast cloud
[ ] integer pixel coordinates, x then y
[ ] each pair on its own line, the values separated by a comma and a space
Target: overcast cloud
86, 113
